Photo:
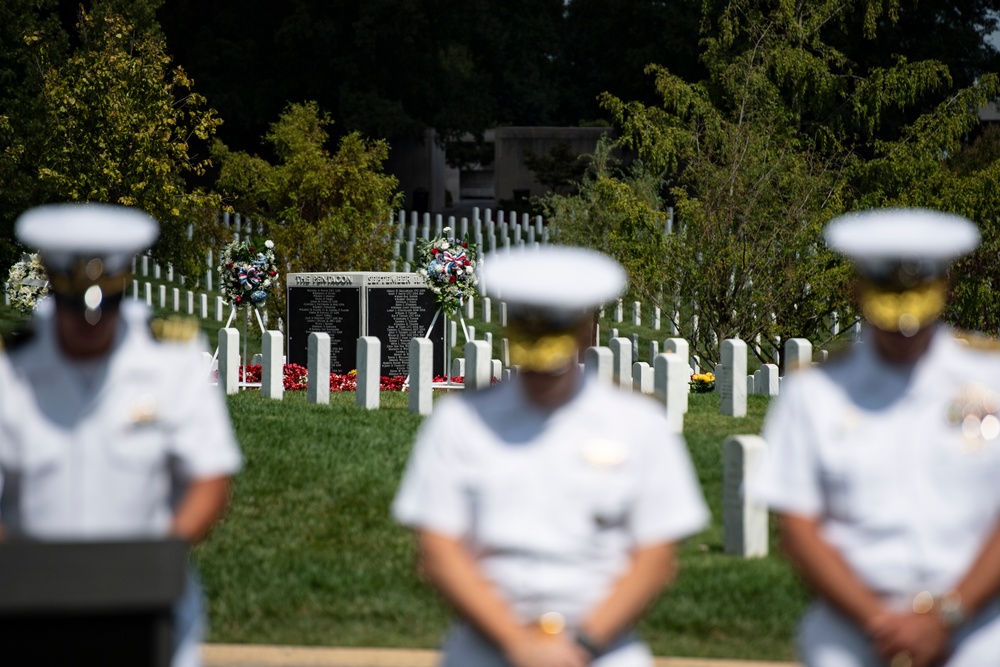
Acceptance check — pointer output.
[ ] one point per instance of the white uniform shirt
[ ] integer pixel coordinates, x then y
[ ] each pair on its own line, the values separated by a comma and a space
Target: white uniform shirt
551, 503
99, 450
902, 468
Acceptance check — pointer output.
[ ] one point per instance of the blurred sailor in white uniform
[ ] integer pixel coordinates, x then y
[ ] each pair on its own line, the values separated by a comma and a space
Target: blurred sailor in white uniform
547, 507
884, 465
108, 428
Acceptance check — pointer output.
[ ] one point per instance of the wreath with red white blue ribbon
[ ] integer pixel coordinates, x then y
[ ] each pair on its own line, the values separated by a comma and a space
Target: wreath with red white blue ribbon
248, 272
448, 266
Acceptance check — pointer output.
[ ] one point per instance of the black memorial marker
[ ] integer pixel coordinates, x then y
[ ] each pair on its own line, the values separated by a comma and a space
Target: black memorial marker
334, 310
397, 314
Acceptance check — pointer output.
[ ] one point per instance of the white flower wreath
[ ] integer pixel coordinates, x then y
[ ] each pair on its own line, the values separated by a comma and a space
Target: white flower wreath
27, 283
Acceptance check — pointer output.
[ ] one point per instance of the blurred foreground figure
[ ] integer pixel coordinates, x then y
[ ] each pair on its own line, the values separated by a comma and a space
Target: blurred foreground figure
884, 465
547, 507
108, 429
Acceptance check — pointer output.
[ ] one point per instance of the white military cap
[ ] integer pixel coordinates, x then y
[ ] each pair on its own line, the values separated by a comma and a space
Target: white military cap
65, 233
552, 277
880, 240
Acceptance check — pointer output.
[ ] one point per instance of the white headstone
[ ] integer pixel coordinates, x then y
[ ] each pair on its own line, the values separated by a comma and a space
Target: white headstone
272, 372
488, 338
621, 348
163, 296
229, 360
642, 377
421, 375
823, 355
471, 331
717, 373
478, 370
452, 332
798, 354
600, 362
219, 309
203, 303
758, 383
619, 312
318, 370
751, 389
135, 290
654, 349
170, 273
257, 360
503, 314
149, 294
496, 369
487, 309
670, 383
679, 347
734, 388
190, 302
369, 371
458, 367
505, 352
636, 314
156, 271
176, 294
470, 308
145, 265
769, 376
744, 524
656, 318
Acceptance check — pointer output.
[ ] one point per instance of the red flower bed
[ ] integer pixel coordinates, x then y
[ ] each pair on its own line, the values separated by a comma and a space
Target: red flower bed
297, 379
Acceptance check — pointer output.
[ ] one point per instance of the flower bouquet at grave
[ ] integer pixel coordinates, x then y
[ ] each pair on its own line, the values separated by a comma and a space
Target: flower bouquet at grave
703, 383
448, 266
27, 283
248, 272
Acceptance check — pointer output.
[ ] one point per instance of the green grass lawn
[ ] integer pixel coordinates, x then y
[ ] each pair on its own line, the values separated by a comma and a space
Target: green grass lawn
309, 555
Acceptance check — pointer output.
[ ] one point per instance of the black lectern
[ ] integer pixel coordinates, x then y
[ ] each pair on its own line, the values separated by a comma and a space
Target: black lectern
89, 603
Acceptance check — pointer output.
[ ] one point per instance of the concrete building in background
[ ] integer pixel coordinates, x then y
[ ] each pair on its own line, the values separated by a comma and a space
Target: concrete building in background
430, 185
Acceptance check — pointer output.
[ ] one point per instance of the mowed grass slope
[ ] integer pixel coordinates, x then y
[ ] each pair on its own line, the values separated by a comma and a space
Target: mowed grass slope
309, 555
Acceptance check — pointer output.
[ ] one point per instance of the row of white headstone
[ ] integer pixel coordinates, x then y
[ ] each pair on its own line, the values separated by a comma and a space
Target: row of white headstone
745, 524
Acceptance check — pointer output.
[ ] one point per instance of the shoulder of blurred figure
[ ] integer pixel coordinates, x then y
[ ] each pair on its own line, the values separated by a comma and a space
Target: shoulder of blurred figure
975, 340
175, 329
837, 351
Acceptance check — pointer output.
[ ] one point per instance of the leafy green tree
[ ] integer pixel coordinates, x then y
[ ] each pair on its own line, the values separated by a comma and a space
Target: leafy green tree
103, 117
782, 136
325, 211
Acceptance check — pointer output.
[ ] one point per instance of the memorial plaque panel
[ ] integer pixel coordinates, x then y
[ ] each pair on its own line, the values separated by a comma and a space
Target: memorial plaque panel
394, 307
330, 307
397, 314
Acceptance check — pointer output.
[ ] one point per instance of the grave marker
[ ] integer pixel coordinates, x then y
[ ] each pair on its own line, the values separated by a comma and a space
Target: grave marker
318, 368
744, 524
369, 365
734, 369
670, 384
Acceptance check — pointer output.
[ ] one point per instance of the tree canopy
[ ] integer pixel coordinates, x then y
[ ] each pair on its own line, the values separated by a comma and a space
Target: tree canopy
785, 133
325, 211
110, 120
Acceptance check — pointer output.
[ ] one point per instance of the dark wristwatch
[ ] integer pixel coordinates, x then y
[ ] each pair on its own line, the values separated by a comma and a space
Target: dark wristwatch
951, 611
584, 641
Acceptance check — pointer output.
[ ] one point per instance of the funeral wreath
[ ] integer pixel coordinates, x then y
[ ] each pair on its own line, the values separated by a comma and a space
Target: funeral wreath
448, 266
27, 283
248, 272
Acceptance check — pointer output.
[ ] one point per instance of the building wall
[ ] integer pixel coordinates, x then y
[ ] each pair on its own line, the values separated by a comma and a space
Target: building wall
510, 144
419, 166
